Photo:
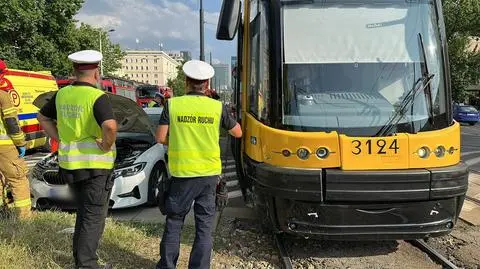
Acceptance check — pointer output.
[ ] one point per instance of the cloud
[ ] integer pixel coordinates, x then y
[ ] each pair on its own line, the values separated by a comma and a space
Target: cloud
173, 23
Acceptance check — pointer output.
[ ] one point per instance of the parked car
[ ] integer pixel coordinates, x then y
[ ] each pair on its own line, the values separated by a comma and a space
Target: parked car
466, 113
140, 165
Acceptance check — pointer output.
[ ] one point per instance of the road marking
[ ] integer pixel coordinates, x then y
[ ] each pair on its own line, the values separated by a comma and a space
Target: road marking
473, 161
235, 194
230, 174
232, 183
469, 153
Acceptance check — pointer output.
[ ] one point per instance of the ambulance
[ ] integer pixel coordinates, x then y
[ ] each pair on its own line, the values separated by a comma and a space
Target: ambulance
24, 87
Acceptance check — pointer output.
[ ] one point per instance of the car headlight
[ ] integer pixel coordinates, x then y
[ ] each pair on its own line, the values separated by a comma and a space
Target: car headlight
129, 171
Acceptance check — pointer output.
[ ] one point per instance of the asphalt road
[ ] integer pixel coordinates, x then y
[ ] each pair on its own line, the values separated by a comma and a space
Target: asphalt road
470, 146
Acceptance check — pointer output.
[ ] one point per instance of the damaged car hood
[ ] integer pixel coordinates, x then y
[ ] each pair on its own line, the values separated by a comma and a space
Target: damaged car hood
130, 117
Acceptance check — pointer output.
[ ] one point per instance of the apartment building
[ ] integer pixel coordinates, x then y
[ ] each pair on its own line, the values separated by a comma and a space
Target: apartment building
221, 80
152, 67
180, 55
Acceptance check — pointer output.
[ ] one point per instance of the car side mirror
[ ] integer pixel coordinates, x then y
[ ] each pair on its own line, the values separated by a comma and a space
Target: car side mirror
228, 20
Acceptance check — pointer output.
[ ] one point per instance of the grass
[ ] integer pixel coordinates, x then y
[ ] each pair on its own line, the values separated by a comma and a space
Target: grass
38, 243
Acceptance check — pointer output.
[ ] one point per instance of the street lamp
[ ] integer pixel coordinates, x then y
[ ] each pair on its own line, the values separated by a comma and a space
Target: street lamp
100, 38
202, 21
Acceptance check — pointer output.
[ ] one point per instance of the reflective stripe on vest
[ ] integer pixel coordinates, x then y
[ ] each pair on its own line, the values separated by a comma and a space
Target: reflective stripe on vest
22, 203
78, 130
194, 149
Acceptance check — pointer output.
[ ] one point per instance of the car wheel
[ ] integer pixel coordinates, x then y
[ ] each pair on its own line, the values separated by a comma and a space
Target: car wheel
159, 172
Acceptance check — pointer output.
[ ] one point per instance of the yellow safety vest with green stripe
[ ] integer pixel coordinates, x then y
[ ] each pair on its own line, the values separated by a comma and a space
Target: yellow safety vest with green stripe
193, 147
78, 130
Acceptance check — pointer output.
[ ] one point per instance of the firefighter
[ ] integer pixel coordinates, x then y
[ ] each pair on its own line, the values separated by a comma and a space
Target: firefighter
157, 101
86, 132
12, 151
193, 124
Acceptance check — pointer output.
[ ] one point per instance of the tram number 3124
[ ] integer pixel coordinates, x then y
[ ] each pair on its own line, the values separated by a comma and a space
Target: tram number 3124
378, 146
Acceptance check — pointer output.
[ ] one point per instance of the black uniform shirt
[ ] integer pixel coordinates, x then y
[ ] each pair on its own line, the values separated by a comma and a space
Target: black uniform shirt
102, 111
227, 122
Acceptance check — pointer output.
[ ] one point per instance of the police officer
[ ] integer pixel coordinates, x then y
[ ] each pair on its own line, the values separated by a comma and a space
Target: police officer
157, 101
193, 125
80, 117
12, 151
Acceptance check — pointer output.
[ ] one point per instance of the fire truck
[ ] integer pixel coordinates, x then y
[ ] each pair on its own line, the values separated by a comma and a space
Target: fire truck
146, 93
114, 85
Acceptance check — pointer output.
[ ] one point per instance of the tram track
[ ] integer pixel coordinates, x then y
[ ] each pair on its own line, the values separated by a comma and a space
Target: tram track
432, 253
282, 251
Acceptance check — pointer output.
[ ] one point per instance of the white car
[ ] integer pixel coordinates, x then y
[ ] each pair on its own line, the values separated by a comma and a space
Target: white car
139, 167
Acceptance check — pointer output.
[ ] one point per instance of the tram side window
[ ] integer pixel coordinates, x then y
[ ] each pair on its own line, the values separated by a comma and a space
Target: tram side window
259, 59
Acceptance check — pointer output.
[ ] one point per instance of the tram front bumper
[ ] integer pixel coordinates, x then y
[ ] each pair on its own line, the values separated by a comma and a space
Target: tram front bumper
362, 205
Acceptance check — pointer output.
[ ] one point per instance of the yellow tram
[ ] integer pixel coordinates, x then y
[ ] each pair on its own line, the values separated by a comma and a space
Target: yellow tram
346, 110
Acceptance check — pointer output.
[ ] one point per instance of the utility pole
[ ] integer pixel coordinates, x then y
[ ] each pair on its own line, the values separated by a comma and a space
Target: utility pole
202, 52
100, 33
210, 58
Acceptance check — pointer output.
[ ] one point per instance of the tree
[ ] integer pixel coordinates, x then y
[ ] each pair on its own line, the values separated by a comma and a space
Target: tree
462, 19
40, 34
88, 38
178, 83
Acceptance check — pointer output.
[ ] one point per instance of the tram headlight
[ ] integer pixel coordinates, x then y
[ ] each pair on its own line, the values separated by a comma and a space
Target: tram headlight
440, 151
423, 152
322, 153
303, 153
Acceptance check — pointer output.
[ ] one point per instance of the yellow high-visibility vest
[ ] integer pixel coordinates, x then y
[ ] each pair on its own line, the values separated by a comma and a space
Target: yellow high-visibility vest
193, 148
78, 130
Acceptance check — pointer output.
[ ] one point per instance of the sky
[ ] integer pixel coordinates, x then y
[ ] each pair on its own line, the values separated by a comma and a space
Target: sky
172, 23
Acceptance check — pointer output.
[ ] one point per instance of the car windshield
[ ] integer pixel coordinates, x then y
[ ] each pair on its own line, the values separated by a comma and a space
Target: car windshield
467, 109
154, 118
146, 91
350, 64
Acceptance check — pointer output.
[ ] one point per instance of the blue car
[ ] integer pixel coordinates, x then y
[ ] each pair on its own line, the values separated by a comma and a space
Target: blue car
466, 113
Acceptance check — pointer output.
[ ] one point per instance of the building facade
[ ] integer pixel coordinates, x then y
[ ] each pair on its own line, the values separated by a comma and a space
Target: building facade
233, 66
180, 55
221, 80
151, 67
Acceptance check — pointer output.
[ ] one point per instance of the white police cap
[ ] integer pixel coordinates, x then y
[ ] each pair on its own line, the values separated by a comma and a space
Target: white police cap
198, 70
86, 59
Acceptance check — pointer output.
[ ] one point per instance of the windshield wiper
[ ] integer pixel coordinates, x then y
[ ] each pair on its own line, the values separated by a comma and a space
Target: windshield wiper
422, 84
425, 73
419, 85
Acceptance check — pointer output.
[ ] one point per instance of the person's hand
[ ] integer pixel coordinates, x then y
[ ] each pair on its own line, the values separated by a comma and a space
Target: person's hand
21, 151
102, 145
221, 199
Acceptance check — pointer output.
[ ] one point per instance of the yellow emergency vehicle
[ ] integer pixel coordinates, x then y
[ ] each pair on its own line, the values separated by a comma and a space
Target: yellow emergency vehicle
24, 87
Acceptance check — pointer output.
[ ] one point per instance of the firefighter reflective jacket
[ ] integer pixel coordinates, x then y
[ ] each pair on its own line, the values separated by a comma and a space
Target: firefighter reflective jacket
78, 130
10, 131
193, 148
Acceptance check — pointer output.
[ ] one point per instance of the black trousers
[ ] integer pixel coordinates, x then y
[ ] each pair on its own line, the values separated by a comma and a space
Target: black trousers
91, 196
182, 193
